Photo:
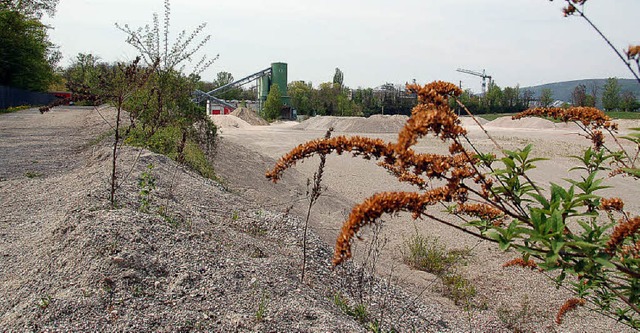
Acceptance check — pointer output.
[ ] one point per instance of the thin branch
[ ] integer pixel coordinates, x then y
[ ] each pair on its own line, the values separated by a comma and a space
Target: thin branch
625, 61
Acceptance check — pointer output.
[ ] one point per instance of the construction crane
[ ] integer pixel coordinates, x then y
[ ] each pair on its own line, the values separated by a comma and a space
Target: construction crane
483, 75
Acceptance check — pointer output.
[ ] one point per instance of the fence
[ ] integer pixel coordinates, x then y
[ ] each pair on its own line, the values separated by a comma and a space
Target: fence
10, 97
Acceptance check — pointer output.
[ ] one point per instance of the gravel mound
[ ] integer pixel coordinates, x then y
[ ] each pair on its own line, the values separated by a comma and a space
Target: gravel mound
229, 121
530, 123
467, 121
249, 116
372, 124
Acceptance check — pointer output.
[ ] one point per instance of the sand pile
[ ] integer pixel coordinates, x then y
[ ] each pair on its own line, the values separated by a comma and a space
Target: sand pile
249, 116
467, 121
530, 123
373, 124
229, 121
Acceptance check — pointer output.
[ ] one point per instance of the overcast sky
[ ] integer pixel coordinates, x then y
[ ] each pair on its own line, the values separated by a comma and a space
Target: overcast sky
526, 42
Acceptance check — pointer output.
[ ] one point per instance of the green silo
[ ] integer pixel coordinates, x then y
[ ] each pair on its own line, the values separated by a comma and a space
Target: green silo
263, 87
279, 77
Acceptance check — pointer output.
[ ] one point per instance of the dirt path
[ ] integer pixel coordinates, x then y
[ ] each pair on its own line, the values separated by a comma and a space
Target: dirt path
37, 144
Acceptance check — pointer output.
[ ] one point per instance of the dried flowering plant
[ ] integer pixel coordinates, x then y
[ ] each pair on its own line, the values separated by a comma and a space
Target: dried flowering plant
554, 228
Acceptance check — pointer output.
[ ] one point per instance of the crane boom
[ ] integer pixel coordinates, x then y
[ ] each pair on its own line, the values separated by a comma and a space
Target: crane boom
483, 75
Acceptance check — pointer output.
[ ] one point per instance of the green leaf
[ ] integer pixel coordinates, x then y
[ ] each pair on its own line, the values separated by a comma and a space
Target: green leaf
604, 262
632, 172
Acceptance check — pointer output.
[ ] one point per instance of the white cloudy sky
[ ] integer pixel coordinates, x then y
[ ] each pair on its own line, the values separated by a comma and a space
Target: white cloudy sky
526, 42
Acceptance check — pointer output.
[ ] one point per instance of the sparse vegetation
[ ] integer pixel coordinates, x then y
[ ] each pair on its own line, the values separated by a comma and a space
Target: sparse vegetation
15, 109
33, 174
430, 255
262, 307
146, 184
517, 319
359, 311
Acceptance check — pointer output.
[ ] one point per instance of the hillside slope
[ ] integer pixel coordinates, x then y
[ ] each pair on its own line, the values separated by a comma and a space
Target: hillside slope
562, 90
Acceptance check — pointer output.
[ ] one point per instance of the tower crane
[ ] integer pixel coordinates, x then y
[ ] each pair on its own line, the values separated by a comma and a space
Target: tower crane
483, 75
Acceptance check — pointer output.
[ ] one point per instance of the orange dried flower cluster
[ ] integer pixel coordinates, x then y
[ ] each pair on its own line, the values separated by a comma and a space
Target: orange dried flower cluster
366, 147
570, 304
386, 203
588, 116
431, 115
624, 229
597, 138
633, 52
571, 9
520, 262
435, 93
612, 204
480, 210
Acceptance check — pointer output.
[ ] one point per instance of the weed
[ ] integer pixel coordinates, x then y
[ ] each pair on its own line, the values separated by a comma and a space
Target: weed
235, 216
460, 290
33, 174
44, 302
137, 291
146, 184
15, 109
262, 307
517, 319
428, 254
359, 312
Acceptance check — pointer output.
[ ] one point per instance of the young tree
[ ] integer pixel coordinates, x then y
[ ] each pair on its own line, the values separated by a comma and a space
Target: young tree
273, 104
167, 101
546, 97
628, 101
579, 95
338, 77
301, 94
611, 94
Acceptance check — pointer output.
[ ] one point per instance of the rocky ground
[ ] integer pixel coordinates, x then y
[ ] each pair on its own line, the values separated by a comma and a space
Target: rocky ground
225, 257
200, 258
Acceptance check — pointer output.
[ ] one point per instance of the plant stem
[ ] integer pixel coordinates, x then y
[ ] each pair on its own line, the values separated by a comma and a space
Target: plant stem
625, 61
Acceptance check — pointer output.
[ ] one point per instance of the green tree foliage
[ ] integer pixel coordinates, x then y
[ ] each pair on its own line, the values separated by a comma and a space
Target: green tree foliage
27, 58
31, 8
366, 101
273, 104
223, 78
493, 98
546, 97
301, 94
628, 101
338, 77
611, 94
86, 70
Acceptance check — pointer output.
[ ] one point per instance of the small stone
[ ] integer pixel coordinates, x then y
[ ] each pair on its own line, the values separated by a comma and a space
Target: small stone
117, 260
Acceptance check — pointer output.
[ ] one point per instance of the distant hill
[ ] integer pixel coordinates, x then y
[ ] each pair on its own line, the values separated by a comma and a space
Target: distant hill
562, 90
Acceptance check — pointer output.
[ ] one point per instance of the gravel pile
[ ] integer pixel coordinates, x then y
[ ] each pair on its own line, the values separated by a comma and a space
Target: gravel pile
529, 123
249, 116
373, 124
229, 121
